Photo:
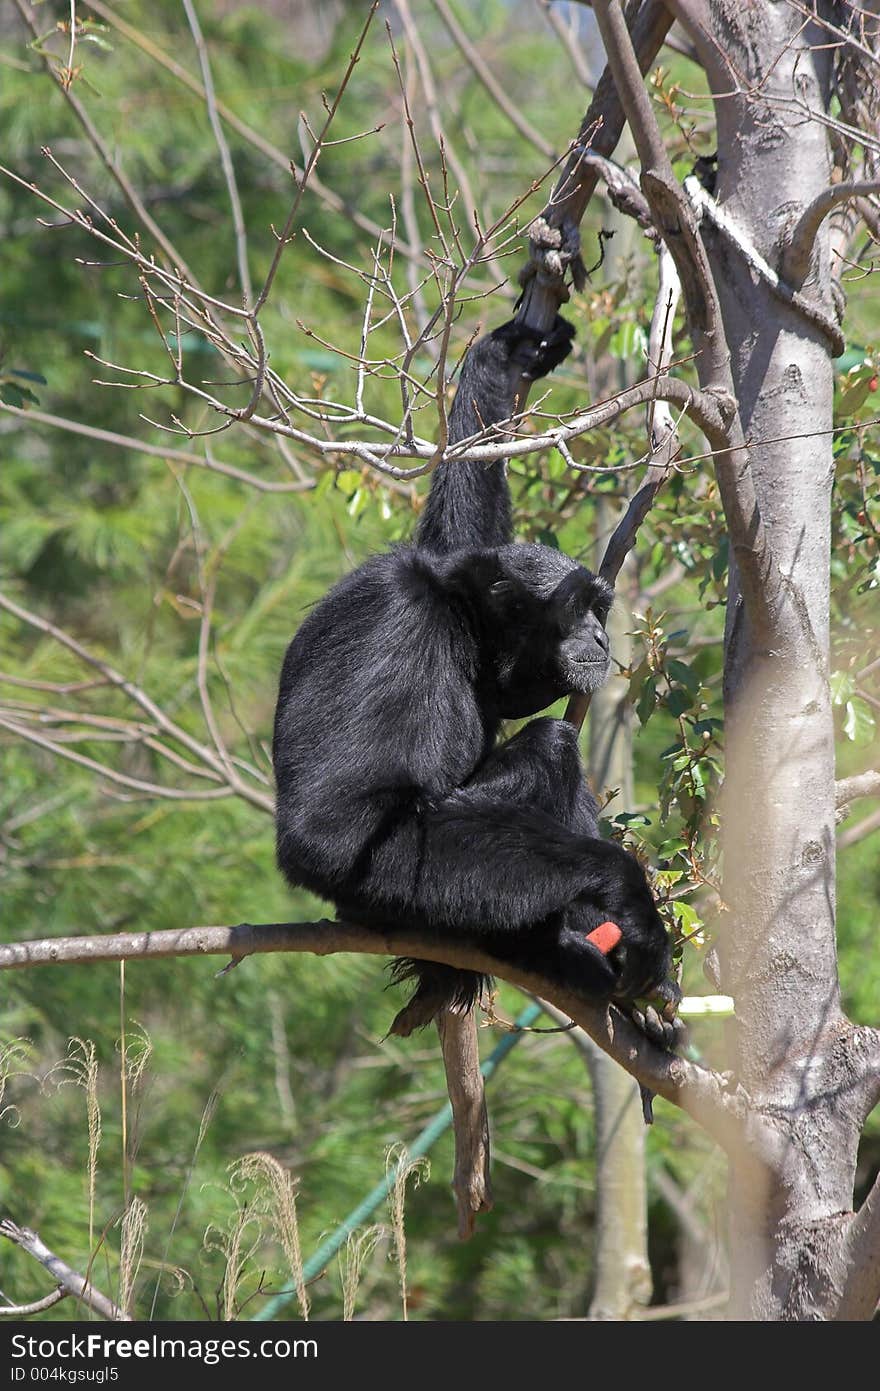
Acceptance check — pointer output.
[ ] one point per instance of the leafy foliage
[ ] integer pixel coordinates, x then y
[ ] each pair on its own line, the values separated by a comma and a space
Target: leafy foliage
117, 546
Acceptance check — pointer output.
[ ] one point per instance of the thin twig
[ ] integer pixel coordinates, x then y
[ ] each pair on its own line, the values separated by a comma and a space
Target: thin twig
158, 451
68, 1279
482, 70
241, 251
284, 235
23, 1311
276, 156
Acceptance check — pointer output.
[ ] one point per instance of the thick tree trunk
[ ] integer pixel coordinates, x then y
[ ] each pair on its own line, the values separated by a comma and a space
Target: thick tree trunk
792, 1048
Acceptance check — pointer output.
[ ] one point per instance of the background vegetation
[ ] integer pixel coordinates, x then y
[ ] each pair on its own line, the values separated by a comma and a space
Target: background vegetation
284, 1054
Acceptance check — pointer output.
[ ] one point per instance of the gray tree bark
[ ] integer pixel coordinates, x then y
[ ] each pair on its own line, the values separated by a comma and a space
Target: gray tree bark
810, 1075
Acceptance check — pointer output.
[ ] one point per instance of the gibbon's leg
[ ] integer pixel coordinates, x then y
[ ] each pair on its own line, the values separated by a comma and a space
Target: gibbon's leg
513, 861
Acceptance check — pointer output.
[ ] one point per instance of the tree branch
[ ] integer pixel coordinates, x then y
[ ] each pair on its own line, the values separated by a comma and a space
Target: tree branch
848, 790
69, 1280
495, 89
22, 1311
665, 446
862, 1254
866, 827
123, 183
241, 248
721, 1110
182, 456
761, 583
798, 253
276, 156
706, 206
135, 693
623, 190
600, 131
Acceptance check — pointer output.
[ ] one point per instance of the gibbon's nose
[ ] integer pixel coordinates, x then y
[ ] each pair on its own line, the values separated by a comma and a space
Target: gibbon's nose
600, 635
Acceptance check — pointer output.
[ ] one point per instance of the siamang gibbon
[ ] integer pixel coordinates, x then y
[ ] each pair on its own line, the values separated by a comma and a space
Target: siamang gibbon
395, 798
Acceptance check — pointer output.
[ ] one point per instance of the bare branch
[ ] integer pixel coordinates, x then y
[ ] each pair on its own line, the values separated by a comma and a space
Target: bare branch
126, 188
69, 1280
158, 451
244, 275
761, 583
866, 827
848, 790
665, 447
720, 1109
798, 253
302, 181
700, 405
22, 1311
234, 783
490, 82
326, 195
660, 422
623, 189
706, 206
565, 32
600, 131
104, 770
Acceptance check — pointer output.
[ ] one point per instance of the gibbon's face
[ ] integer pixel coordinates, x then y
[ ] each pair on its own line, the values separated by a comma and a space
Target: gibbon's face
550, 623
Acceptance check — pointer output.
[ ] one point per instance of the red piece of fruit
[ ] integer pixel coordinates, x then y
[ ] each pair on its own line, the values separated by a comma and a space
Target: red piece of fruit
605, 937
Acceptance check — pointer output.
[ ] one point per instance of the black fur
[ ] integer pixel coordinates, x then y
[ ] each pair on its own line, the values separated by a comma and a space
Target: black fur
394, 800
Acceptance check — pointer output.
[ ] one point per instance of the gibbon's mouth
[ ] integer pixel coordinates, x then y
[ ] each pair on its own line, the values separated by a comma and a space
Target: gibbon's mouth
586, 674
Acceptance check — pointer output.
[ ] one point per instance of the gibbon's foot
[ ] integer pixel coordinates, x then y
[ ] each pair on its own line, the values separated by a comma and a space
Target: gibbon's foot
662, 1027
669, 1033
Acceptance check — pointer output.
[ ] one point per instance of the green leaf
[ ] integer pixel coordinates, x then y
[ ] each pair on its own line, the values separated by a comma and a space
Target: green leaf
348, 481
629, 341
855, 394
684, 675
686, 915
678, 701
842, 687
668, 878
646, 702
13, 395
858, 722
671, 847
28, 376
720, 559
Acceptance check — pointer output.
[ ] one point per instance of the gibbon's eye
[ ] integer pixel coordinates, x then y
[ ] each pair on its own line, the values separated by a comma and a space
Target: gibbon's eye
501, 589
601, 608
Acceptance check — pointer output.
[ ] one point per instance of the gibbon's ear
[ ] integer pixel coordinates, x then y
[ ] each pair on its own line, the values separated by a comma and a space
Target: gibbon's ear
475, 574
